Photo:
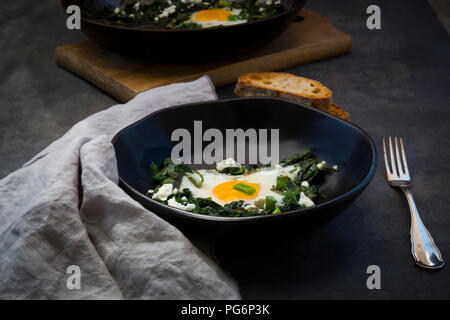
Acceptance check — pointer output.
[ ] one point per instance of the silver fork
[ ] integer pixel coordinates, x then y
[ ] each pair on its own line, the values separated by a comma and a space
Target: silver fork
424, 250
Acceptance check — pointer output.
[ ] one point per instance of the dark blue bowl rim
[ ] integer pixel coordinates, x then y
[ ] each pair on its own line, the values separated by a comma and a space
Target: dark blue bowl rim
196, 216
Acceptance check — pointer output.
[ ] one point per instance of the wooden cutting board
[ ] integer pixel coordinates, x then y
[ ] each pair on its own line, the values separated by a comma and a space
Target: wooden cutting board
312, 39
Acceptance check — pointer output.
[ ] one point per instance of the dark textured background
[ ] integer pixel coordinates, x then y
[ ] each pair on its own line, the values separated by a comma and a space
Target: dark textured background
394, 82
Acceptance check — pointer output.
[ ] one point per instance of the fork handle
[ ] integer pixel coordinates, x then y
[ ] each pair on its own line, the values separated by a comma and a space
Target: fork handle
424, 250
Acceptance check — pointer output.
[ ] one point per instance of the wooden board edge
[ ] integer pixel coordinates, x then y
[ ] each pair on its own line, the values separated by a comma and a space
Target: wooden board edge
79, 67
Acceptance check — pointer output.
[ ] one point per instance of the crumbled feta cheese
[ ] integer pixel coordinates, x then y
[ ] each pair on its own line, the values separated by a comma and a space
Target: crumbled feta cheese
167, 11
173, 203
304, 201
261, 9
230, 162
184, 198
251, 207
175, 190
290, 171
136, 5
164, 192
117, 10
321, 165
335, 167
305, 184
131, 15
150, 191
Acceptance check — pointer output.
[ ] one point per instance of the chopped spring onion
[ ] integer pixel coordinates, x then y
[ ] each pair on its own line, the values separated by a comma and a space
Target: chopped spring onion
244, 188
196, 178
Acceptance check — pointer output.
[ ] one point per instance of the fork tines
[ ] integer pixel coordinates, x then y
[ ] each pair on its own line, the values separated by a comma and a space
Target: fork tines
398, 168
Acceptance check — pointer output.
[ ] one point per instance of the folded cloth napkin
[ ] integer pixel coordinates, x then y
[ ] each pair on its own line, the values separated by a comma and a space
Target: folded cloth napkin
67, 231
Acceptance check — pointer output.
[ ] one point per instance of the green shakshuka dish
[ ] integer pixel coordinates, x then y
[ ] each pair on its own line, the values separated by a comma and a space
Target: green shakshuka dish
189, 14
234, 190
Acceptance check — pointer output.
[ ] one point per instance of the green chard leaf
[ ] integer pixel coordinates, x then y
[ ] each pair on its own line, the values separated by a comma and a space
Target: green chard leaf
281, 183
303, 168
290, 200
295, 158
311, 173
311, 191
234, 171
270, 204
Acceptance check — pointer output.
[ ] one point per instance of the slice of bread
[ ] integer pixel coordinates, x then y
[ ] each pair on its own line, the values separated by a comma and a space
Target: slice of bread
285, 85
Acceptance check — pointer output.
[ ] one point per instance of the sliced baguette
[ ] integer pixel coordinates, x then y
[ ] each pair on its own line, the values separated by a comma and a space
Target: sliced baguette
285, 85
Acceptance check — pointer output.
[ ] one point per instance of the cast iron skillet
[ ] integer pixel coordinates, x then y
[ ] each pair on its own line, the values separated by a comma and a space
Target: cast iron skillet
184, 45
329, 138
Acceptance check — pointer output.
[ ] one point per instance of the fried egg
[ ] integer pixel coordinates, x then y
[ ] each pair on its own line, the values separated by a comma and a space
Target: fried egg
219, 186
215, 17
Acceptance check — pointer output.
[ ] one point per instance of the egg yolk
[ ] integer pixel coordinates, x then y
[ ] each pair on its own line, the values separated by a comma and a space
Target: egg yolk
225, 191
212, 14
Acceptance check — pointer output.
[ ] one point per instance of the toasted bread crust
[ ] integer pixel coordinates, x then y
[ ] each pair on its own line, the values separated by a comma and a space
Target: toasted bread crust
337, 111
285, 85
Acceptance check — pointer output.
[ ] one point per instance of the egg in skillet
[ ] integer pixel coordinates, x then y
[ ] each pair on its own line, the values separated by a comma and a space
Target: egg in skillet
216, 17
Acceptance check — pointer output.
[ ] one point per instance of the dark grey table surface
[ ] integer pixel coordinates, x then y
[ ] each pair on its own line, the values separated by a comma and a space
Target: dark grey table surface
394, 82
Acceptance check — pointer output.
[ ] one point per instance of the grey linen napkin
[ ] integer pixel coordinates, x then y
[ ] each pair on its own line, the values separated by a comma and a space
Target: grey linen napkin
67, 231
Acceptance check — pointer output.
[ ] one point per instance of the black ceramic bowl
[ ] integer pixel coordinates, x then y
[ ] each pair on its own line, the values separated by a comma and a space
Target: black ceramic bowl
184, 45
300, 127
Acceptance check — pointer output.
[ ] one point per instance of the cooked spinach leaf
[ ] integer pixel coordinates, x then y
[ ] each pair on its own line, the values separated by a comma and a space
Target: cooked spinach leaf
270, 204
303, 169
281, 183
295, 158
234, 171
